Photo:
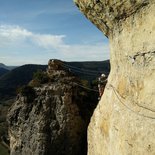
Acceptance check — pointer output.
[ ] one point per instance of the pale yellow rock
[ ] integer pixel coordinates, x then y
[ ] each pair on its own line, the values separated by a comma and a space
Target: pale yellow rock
124, 121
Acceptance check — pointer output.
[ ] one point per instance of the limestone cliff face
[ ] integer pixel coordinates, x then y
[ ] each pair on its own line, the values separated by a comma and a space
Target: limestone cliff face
51, 123
124, 120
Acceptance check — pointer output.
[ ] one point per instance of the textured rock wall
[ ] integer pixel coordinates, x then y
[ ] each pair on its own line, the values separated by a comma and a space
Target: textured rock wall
52, 123
124, 120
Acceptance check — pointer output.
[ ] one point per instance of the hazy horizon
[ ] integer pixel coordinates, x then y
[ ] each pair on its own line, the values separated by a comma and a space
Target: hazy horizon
35, 31
48, 60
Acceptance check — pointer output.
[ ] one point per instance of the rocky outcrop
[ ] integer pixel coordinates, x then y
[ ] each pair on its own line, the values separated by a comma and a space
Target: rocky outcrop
124, 121
52, 118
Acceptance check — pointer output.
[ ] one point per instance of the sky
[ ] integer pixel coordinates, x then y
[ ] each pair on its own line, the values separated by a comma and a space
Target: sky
34, 31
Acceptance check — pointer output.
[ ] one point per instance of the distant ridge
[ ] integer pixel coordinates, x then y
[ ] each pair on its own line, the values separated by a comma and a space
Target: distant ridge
7, 67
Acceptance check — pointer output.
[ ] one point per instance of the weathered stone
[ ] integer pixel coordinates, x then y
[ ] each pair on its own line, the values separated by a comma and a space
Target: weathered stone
124, 121
106, 14
55, 122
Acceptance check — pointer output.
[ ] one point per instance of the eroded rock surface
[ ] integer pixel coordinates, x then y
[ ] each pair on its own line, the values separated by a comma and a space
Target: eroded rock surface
54, 122
124, 120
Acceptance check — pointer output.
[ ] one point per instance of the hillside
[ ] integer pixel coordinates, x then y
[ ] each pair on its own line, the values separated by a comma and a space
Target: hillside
7, 67
3, 71
16, 78
89, 70
100, 66
2, 65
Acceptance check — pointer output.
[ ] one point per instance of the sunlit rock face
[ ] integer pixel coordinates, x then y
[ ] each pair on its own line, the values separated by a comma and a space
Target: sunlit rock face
124, 120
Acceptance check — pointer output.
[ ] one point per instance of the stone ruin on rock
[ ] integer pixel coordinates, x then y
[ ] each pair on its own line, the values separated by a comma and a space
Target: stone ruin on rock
124, 121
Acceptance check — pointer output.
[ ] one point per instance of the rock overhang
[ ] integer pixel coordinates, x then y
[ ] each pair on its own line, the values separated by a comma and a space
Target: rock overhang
128, 98
106, 14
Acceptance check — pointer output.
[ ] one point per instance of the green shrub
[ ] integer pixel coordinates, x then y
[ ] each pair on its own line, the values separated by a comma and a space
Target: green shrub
27, 91
34, 83
94, 82
3, 150
85, 83
40, 77
2, 119
2, 129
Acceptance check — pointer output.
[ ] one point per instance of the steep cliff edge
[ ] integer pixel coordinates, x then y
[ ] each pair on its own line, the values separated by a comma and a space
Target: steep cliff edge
52, 118
124, 120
